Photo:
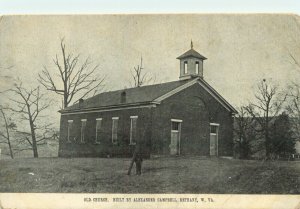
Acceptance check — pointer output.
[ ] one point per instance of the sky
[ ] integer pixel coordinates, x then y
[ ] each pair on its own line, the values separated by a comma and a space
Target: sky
242, 49
145, 6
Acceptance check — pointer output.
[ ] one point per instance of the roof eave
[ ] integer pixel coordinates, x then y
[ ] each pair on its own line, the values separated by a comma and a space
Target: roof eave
182, 57
109, 107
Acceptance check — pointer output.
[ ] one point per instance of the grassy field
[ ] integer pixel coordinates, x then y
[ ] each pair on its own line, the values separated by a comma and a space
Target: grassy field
161, 175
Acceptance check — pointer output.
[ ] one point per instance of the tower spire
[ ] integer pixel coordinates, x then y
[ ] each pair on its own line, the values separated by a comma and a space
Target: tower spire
191, 43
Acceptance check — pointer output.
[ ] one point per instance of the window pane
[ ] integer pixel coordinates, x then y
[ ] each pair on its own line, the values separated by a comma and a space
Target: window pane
133, 124
70, 123
185, 67
83, 125
114, 131
213, 129
175, 126
98, 130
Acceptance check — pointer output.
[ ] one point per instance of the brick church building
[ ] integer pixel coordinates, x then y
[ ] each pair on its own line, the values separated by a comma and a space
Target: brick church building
183, 117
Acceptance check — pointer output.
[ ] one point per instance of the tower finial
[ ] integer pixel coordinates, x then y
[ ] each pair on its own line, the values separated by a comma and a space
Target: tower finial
191, 43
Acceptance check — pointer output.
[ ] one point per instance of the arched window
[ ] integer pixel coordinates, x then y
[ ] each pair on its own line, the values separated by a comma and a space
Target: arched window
197, 68
185, 67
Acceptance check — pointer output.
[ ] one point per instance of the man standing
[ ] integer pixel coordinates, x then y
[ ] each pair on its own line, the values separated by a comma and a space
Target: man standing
138, 163
137, 158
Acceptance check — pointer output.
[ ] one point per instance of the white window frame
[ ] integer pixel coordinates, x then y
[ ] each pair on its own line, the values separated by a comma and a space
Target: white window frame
197, 64
112, 130
82, 130
70, 123
185, 67
176, 120
131, 129
96, 139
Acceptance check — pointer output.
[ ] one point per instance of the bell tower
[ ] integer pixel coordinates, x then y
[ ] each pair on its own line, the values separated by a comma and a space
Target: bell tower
191, 64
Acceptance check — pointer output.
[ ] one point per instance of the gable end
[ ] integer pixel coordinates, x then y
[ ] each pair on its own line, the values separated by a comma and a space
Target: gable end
174, 91
206, 87
217, 96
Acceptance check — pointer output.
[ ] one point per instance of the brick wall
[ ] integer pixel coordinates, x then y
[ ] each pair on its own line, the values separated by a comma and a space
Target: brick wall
196, 114
76, 148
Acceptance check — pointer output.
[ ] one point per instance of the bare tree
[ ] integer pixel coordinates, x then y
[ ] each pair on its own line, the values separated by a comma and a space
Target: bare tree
29, 106
265, 108
141, 78
8, 126
74, 79
293, 108
245, 133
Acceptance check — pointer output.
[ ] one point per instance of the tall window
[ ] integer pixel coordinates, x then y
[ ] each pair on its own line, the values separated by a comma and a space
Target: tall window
133, 131
70, 124
114, 137
83, 126
214, 128
98, 130
175, 126
185, 67
197, 68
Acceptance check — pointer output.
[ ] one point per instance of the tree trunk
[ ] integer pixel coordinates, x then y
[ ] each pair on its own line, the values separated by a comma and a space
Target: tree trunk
267, 145
8, 137
65, 100
10, 148
34, 144
267, 140
33, 137
8, 142
65, 80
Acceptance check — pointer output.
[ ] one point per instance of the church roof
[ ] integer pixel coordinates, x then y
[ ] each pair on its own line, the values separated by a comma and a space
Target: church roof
191, 53
143, 95
136, 95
